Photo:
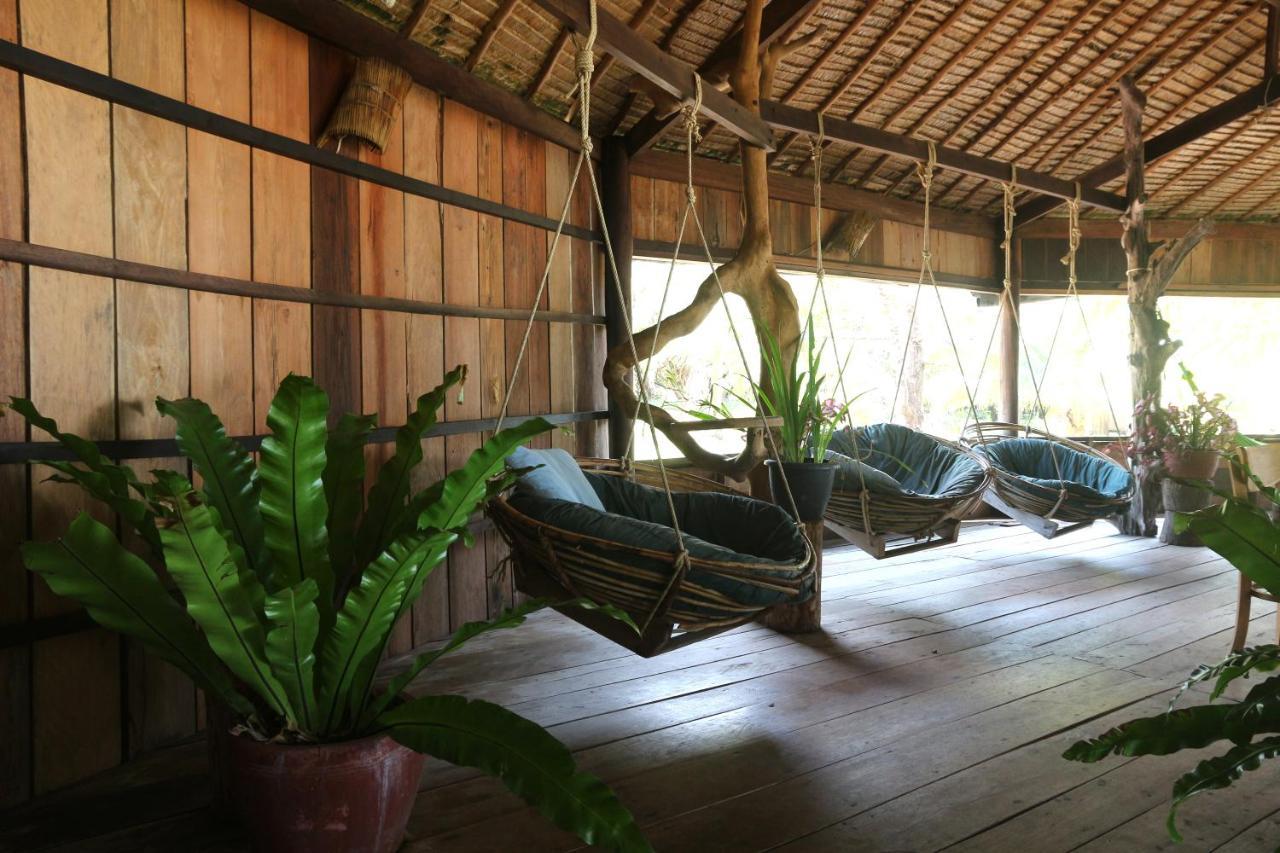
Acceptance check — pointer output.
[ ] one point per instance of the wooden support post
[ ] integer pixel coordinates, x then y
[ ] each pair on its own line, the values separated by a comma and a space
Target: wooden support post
615, 170
807, 615
1009, 341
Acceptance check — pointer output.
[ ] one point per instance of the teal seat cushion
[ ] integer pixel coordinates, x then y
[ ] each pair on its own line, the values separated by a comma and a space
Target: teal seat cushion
852, 475
715, 527
556, 475
910, 462
1081, 474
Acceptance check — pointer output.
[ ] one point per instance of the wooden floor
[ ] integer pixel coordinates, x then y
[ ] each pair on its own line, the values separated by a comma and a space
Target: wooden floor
930, 714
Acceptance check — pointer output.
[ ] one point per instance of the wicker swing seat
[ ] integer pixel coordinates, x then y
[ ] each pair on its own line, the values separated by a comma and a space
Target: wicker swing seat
897, 483
1051, 484
744, 555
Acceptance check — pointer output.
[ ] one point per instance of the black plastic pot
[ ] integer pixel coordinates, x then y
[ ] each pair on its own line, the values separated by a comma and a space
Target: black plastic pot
810, 483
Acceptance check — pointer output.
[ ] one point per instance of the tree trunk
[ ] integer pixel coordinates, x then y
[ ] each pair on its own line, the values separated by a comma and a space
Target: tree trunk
1150, 269
751, 274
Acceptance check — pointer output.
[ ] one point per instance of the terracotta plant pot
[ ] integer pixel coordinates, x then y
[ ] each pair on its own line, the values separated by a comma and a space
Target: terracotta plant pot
1192, 464
349, 797
810, 484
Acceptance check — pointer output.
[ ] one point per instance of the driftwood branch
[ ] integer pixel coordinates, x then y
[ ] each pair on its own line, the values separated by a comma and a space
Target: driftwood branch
1150, 270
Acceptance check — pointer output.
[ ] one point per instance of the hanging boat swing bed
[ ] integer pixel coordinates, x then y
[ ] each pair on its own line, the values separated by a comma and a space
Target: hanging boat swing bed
1047, 483
898, 489
684, 556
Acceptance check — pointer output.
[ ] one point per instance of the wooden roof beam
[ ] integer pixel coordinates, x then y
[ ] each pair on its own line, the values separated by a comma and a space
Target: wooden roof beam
661, 69
339, 25
1215, 118
779, 18
1271, 59
488, 34
798, 121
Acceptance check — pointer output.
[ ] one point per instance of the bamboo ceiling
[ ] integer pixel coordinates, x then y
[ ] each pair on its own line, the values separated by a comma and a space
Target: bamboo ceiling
1029, 81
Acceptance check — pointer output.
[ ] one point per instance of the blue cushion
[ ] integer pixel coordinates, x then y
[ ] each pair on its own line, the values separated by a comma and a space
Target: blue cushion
853, 474
558, 478
916, 462
1056, 466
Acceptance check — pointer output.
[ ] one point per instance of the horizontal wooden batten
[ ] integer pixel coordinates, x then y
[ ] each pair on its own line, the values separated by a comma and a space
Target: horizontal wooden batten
21, 452
331, 21
64, 259
661, 69
662, 250
714, 174
783, 117
49, 68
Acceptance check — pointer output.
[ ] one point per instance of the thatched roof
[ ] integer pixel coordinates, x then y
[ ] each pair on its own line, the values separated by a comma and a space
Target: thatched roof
1028, 81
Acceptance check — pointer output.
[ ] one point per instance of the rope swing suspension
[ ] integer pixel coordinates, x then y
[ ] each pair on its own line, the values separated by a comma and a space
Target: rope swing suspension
698, 594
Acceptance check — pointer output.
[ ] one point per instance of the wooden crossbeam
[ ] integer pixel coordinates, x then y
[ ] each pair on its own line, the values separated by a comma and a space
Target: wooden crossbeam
337, 24
661, 69
800, 121
1214, 118
778, 18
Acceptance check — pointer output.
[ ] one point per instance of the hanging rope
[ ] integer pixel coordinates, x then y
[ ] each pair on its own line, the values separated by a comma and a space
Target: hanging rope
924, 172
585, 67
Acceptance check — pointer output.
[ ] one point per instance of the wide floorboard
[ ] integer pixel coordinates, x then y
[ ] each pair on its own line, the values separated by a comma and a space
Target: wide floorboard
929, 714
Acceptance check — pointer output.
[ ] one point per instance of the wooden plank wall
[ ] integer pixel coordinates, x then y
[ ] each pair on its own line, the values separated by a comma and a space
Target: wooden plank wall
893, 247
1242, 258
78, 173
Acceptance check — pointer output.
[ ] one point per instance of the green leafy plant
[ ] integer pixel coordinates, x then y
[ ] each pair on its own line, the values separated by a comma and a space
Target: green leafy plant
288, 583
795, 395
1164, 431
1249, 539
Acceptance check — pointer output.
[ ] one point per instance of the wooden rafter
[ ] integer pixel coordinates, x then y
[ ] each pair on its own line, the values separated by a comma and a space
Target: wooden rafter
1164, 144
602, 67
1064, 132
1159, 86
672, 76
668, 38
804, 122
337, 24
864, 64
1014, 133
999, 91
1267, 176
549, 63
488, 34
780, 18
941, 75
415, 17
1221, 174
1274, 199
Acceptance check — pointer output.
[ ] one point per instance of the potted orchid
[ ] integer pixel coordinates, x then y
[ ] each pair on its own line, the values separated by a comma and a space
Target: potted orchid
1188, 440
800, 478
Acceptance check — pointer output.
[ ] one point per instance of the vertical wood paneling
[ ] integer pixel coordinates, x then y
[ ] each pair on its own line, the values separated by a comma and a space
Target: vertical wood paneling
460, 170
424, 280
152, 352
219, 211
113, 182
15, 670
72, 370
335, 242
384, 353
279, 88
501, 590
562, 363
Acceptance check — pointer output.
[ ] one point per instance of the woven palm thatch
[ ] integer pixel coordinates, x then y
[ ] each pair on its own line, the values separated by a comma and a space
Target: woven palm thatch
1071, 502
673, 604
1031, 82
